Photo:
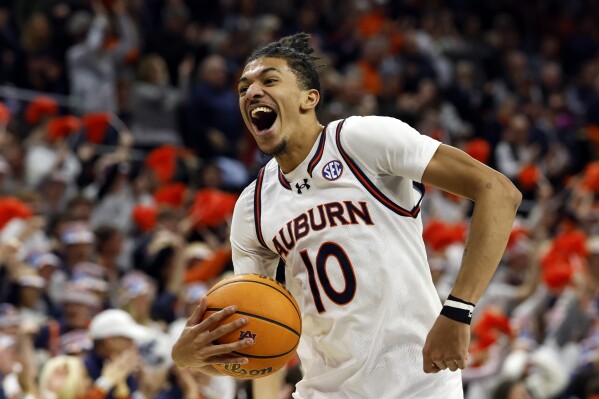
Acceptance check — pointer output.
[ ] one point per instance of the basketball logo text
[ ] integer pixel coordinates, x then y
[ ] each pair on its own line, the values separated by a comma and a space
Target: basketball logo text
239, 369
332, 170
246, 334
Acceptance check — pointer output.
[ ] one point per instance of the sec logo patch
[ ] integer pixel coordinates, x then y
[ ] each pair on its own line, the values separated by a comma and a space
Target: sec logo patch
332, 170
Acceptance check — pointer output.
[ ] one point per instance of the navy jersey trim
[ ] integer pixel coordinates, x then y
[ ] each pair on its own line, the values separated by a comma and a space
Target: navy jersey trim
258, 207
283, 181
371, 188
319, 151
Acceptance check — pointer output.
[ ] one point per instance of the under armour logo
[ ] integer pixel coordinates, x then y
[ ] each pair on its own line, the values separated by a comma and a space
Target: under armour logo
301, 186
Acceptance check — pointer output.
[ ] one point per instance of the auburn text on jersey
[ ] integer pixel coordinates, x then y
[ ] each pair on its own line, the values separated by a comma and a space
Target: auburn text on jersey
330, 214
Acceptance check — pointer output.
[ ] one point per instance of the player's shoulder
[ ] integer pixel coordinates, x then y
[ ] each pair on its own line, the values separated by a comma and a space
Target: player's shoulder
361, 123
363, 130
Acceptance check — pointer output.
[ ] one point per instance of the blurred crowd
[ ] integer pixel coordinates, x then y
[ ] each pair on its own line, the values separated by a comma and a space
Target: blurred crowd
122, 152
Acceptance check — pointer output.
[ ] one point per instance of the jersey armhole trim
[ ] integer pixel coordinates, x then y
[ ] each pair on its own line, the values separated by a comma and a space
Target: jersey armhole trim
258, 207
371, 188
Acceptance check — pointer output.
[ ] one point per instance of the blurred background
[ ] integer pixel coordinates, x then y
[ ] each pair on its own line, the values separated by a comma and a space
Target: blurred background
122, 153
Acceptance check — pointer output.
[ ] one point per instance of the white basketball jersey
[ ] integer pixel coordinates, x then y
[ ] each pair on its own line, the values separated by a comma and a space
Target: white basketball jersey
346, 223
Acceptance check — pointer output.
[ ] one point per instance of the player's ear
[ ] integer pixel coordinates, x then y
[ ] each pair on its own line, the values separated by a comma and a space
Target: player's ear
310, 99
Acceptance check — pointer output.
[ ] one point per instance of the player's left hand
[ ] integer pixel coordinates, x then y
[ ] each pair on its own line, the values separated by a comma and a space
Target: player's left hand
446, 346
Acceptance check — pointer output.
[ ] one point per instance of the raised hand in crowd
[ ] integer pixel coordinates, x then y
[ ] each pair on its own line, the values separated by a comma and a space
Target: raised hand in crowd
116, 370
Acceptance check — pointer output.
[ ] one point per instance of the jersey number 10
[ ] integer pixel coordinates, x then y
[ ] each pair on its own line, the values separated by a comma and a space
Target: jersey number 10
327, 250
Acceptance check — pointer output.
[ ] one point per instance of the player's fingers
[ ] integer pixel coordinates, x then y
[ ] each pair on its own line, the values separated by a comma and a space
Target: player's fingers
225, 329
440, 364
215, 318
196, 316
452, 365
224, 349
461, 363
430, 367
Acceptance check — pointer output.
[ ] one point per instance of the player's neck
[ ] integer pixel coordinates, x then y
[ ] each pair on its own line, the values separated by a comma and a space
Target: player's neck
299, 145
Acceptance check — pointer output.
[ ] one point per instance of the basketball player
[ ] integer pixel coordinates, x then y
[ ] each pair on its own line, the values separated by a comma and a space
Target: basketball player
340, 205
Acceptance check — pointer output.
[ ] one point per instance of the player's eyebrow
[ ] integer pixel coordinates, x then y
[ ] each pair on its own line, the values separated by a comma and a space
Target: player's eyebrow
262, 72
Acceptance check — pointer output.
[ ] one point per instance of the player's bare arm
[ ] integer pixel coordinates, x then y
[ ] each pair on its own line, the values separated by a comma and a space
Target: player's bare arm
496, 201
195, 348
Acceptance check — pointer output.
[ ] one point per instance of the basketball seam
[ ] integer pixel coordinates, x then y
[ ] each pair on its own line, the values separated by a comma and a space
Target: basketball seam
259, 317
258, 282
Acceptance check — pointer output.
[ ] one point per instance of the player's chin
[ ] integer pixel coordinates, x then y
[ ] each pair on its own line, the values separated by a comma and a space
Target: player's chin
273, 149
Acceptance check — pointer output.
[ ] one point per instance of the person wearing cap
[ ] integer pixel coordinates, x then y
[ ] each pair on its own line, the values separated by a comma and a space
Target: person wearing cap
45, 264
28, 292
93, 277
77, 240
78, 306
114, 334
136, 296
76, 246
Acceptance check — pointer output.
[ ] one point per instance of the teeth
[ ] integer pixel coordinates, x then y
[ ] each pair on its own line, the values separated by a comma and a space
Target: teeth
260, 109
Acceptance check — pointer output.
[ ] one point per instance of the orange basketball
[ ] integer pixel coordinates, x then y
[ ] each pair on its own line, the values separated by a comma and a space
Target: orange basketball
274, 322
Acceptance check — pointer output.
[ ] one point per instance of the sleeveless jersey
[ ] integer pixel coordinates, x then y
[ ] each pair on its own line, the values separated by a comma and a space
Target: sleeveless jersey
346, 223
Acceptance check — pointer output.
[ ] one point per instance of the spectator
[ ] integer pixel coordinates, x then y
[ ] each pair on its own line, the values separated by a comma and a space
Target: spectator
513, 152
155, 103
63, 377
78, 306
93, 60
111, 362
38, 65
214, 126
109, 250
172, 40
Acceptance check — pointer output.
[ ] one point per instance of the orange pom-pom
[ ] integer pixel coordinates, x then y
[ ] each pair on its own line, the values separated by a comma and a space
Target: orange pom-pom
212, 207
171, 194
163, 162
41, 107
4, 114
59, 128
571, 242
11, 208
478, 149
558, 277
529, 176
96, 125
516, 235
590, 179
439, 235
144, 217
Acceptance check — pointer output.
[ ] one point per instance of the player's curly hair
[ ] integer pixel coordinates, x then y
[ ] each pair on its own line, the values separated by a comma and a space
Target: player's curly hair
296, 50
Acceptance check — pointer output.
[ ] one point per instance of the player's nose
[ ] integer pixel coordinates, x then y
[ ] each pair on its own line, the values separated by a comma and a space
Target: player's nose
254, 91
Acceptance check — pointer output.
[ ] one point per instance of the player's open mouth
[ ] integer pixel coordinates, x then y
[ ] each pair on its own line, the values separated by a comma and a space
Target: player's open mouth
263, 118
